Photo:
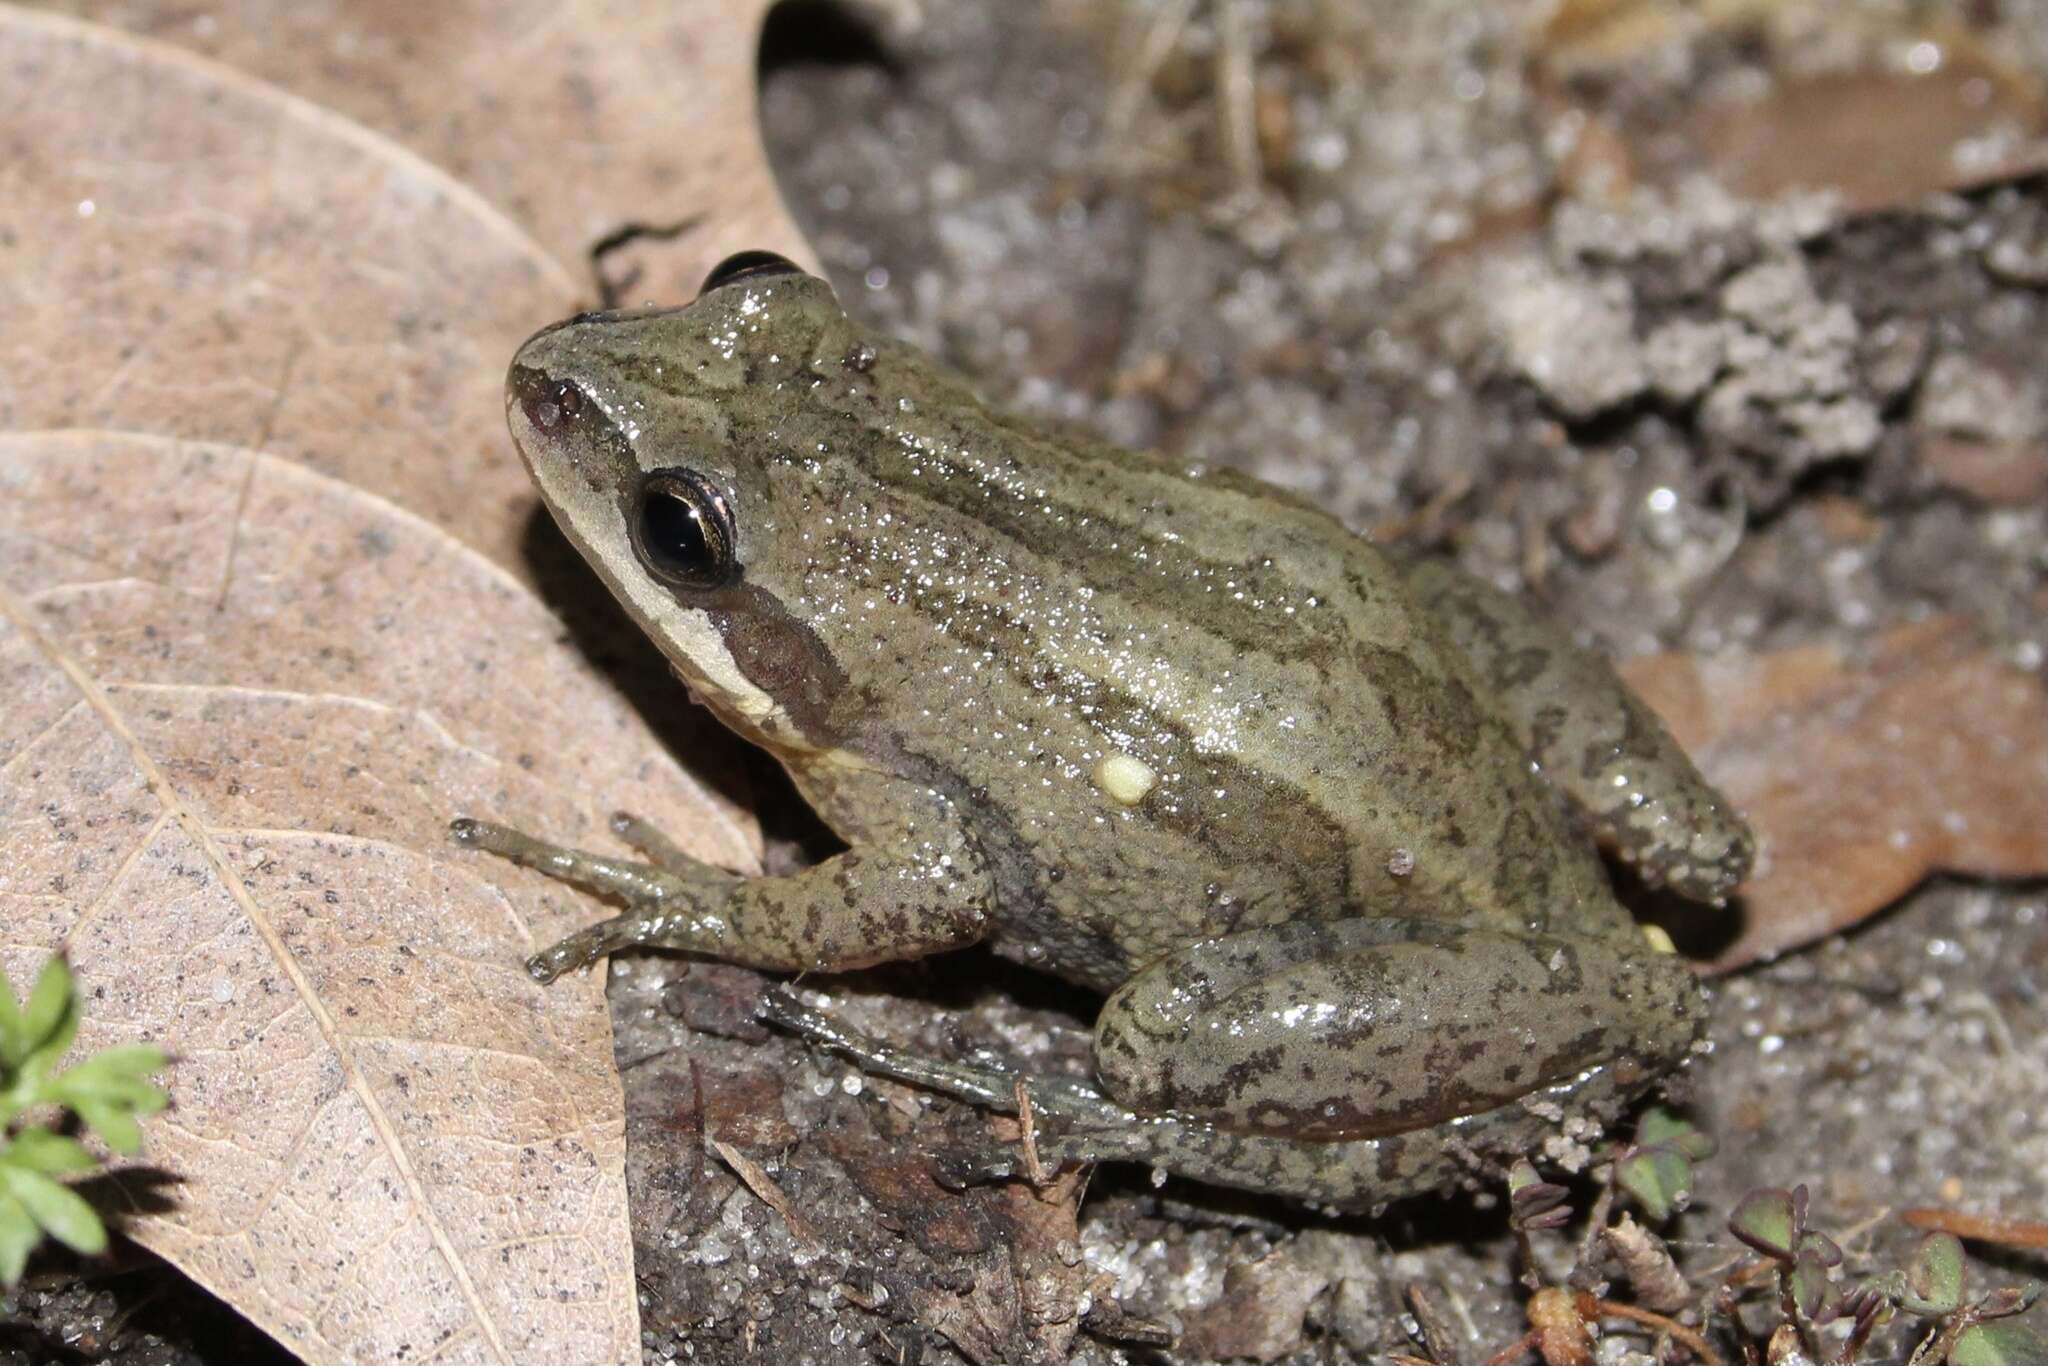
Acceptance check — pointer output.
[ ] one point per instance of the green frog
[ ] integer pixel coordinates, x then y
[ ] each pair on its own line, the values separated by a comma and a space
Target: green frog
1318, 821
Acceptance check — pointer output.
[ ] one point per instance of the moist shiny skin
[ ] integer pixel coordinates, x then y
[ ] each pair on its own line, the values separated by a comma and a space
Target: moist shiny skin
1316, 817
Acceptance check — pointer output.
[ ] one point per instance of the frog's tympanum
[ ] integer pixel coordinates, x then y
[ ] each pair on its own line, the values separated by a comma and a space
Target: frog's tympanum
1314, 818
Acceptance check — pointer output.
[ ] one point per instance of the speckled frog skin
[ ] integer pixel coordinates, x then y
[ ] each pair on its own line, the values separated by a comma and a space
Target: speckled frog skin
1314, 819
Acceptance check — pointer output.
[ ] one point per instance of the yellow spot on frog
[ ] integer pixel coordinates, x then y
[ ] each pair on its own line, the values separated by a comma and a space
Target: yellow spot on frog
1659, 940
1124, 778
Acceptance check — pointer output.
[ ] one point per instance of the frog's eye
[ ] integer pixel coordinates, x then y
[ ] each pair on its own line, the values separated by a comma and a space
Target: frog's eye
683, 529
747, 265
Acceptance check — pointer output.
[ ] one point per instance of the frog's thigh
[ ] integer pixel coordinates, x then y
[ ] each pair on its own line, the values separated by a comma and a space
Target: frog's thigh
1355, 1028
1594, 739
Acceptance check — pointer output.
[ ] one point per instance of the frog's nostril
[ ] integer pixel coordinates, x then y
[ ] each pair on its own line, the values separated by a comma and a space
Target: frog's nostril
547, 403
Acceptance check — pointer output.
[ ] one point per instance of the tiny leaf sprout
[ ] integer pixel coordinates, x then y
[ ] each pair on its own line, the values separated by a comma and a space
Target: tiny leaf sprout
107, 1093
1656, 1171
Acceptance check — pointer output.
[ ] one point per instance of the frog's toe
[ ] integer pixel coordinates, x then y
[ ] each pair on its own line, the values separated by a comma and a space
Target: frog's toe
550, 963
1708, 864
654, 843
578, 950
475, 834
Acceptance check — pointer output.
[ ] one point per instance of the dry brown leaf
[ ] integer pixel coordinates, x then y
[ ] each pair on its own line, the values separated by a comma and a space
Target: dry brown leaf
241, 703
1260, 1313
1876, 138
2014, 473
192, 254
577, 117
1580, 34
1862, 776
1874, 135
1044, 1244
767, 1192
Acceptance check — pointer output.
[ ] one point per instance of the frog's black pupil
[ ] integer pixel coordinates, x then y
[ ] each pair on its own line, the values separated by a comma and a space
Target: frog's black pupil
685, 532
746, 265
675, 531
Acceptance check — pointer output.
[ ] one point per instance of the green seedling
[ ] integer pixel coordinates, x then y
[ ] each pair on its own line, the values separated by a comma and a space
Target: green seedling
107, 1093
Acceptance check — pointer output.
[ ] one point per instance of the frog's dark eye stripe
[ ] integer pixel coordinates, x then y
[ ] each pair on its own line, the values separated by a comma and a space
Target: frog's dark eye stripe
683, 531
747, 265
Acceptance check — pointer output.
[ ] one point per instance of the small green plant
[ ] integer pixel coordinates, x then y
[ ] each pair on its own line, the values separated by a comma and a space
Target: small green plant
107, 1092
1822, 1317
1657, 1169
1961, 1331
1965, 1332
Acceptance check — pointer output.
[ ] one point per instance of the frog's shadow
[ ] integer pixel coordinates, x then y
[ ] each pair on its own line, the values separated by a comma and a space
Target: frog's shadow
1701, 932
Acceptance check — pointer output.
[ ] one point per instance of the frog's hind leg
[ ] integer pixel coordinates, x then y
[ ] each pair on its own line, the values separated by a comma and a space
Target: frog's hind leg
1338, 1061
1594, 740
1085, 1126
1077, 1124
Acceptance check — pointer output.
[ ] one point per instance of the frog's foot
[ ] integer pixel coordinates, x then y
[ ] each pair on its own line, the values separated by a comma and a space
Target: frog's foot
662, 900
915, 888
1594, 740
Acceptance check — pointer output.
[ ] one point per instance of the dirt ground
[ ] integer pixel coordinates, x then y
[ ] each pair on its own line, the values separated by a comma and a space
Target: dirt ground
1558, 308
1547, 297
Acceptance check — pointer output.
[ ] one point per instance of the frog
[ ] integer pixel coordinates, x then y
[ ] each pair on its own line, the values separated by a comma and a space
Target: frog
1319, 820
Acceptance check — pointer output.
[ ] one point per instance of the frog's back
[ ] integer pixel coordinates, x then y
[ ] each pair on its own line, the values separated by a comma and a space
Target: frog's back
1179, 704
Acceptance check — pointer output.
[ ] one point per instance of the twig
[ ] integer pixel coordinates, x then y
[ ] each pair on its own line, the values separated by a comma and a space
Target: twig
1129, 92
1237, 90
1981, 1228
1423, 521
765, 1190
1678, 1332
1520, 1346
1027, 1127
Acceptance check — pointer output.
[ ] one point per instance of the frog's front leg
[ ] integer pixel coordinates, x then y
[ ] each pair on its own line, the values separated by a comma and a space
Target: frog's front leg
1592, 738
1364, 1028
915, 886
